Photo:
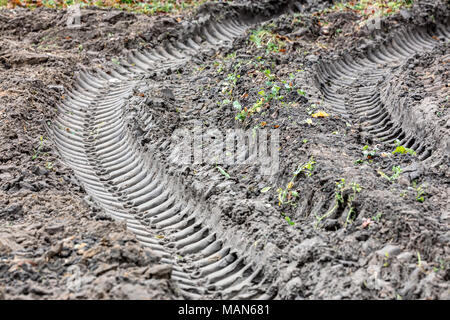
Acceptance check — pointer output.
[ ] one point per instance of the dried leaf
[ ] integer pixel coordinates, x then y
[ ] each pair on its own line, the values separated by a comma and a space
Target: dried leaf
366, 223
320, 114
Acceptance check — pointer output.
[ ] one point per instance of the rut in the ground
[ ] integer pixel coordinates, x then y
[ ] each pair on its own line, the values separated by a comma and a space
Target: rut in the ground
92, 136
350, 86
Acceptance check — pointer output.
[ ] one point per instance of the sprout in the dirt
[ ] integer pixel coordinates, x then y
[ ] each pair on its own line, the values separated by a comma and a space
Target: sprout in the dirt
403, 150
39, 148
342, 201
223, 172
397, 171
237, 105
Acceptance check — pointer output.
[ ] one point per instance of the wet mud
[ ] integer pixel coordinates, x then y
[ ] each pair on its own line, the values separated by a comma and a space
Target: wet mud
97, 202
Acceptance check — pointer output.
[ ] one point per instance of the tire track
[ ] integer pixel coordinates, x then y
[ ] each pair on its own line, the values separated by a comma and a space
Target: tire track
350, 86
92, 137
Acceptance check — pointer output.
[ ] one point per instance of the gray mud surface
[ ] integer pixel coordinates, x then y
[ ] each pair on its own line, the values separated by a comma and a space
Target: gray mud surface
243, 234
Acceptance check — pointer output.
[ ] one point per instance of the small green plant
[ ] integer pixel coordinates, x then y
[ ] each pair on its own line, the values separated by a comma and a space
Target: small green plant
39, 148
225, 102
289, 196
397, 171
288, 219
237, 105
266, 97
341, 187
269, 74
368, 154
220, 67
265, 37
230, 84
232, 78
421, 192
441, 266
350, 215
306, 168
377, 217
286, 196
272, 47
223, 172
386, 260
231, 56
257, 36
245, 113
402, 150
273, 94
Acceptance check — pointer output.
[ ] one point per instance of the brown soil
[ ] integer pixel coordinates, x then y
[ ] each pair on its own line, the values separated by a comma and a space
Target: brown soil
388, 240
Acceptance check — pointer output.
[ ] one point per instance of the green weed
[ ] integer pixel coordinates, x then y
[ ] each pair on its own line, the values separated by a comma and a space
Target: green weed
288, 219
402, 150
223, 172
289, 196
341, 187
37, 151
148, 7
421, 193
396, 170
264, 37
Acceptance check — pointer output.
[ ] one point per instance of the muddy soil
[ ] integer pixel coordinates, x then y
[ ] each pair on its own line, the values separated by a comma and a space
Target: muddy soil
335, 221
55, 242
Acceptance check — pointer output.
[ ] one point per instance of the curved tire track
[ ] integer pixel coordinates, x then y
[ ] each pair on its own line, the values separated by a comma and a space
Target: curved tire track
92, 137
350, 85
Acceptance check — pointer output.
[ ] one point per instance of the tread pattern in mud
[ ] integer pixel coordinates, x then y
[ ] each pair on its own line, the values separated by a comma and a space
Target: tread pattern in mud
350, 86
92, 136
